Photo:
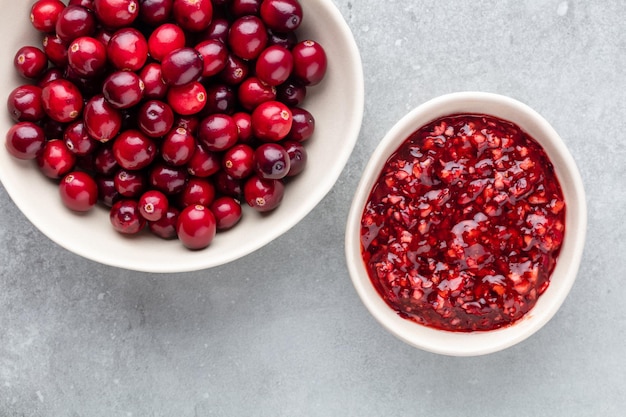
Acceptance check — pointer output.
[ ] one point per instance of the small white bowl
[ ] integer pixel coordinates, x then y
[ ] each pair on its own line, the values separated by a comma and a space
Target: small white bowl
564, 274
337, 105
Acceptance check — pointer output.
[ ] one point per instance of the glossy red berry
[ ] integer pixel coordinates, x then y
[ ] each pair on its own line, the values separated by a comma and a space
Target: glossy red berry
291, 92
303, 125
247, 37
203, 163
240, 8
133, 150
168, 179
214, 55
227, 212
178, 146
77, 139
25, 140
281, 15
155, 118
62, 100
45, 13
116, 13
30, 62
193, 15
196, 227
79, 191
271, 121
309, 62
165, 227
55, 49
102, 120
253, 92
166, 38
123, 89
197, 191
271, 161
262, 194
187, 99
153, 205
297, 157
25, 104
130, 183
75, 21
55, 160
154, 86
126, 218
181, 66
238, 161
87, 56
243, 120
274, 65
217, 132
155, 12
220, 98
128, 49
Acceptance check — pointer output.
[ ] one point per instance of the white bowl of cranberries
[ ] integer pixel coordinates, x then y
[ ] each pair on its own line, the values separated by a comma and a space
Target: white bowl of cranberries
174, 135
466, 231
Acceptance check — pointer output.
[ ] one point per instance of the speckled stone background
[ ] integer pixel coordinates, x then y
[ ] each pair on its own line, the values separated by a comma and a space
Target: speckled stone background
282, 332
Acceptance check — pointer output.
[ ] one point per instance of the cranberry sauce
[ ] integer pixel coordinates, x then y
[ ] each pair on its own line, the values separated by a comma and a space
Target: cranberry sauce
464, 225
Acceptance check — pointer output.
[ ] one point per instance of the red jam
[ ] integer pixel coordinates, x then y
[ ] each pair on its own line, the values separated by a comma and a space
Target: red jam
463, 228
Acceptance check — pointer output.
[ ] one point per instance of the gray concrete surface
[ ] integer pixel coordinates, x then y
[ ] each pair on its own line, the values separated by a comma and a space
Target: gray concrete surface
281, 332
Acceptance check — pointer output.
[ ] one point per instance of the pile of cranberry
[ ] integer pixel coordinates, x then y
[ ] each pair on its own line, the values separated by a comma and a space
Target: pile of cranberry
169, 112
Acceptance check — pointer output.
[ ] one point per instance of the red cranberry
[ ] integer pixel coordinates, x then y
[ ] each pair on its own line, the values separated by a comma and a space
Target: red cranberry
217, 132
239, 8
165, 39
271, 121
281, 15
55, 49
271, 161
253, 92
238, 161
55, 160
153, 205
214, 55
154, 86
220, 99
196, 227
309, 62
187, 99
168, 179
263, 194
303, 124
243, 121
62, 100
217, 29
87, 56
247, 37
297, 157
197, 191
77, 139
107, 194
127, 49
116, 13
285, 39
75, 21
125, 217
203, 163
274, 65
88, 4
292, 93
155, 12
104, 161
181, 66
235, 71
193, 15
133, 150
30, 62
50, 74
129, 183
155, 118
228, 185
25, 140
45, 13
178, 146
102, 120
25, 104
123, 89
190, 123
227, 212
165, 227
79, 191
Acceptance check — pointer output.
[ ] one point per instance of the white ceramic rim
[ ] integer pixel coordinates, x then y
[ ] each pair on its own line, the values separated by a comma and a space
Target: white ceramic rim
347, 72
564, 275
